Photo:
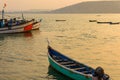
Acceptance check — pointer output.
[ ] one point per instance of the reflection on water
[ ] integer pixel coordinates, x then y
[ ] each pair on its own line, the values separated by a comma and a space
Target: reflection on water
26, 34
53, 74
4, 37
1, 40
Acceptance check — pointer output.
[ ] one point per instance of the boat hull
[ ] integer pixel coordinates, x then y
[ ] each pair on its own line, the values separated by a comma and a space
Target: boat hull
17, 29
67, 72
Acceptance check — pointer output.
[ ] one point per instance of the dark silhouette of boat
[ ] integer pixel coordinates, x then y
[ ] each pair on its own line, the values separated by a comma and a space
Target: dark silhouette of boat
92, 20
60, 20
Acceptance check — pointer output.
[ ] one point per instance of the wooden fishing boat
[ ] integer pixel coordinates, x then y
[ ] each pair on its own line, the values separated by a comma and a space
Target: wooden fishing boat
103, 22
69, 67
112, 23
92, 20
14, 26
25, 27
60, 20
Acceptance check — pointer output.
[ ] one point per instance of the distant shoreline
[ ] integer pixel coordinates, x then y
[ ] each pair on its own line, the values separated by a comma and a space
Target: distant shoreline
90, 7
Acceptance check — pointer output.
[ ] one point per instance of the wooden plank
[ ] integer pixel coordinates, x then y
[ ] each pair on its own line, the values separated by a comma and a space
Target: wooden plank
80, 68
63, 63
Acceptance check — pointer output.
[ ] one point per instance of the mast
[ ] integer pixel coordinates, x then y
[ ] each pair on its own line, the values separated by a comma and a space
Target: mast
2, 14
23, 17
3, 11
2, 23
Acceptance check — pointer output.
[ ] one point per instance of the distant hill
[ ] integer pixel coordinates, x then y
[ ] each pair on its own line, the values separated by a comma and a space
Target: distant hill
91, 7
28, 11
83, 7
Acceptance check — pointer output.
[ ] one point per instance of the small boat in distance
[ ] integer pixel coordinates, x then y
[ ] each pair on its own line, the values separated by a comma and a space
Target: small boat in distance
103, 22
92, 20
113, 23
70, 67
60, 20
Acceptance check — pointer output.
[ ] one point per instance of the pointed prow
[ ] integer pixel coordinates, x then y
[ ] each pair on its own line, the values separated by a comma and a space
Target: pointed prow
49, 47
48, 42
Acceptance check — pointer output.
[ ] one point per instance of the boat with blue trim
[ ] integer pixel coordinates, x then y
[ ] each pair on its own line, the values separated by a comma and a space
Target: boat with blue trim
70, 67
14, 25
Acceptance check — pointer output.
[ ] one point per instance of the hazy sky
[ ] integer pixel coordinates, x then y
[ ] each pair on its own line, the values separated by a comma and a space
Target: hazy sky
13, 5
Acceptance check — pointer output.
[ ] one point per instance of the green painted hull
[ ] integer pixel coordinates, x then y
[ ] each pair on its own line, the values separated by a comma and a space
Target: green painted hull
67, 72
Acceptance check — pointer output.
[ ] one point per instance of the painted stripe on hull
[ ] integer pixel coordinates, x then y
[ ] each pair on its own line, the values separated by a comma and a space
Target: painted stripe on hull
28, 27
16, 27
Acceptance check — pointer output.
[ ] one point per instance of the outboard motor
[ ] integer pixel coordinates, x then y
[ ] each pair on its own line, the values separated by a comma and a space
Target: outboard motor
99, 72
106, 77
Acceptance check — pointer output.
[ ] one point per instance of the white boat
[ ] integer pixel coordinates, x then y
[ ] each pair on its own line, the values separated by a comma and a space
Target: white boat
13, 26
17, 28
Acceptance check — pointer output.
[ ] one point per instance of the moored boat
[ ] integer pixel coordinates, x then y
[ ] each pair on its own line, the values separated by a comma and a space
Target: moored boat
103, 22
60, 20
25, 27
92, 20
13, 25
112, 23
70, 67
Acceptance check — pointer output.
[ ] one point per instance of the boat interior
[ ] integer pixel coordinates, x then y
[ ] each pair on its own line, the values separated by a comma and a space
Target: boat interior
69, 63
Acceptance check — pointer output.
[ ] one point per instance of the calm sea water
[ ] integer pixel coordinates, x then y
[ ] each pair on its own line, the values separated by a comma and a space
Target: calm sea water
23, 56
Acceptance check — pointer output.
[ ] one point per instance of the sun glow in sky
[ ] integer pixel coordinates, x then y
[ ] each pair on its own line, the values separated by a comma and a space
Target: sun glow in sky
17, 5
